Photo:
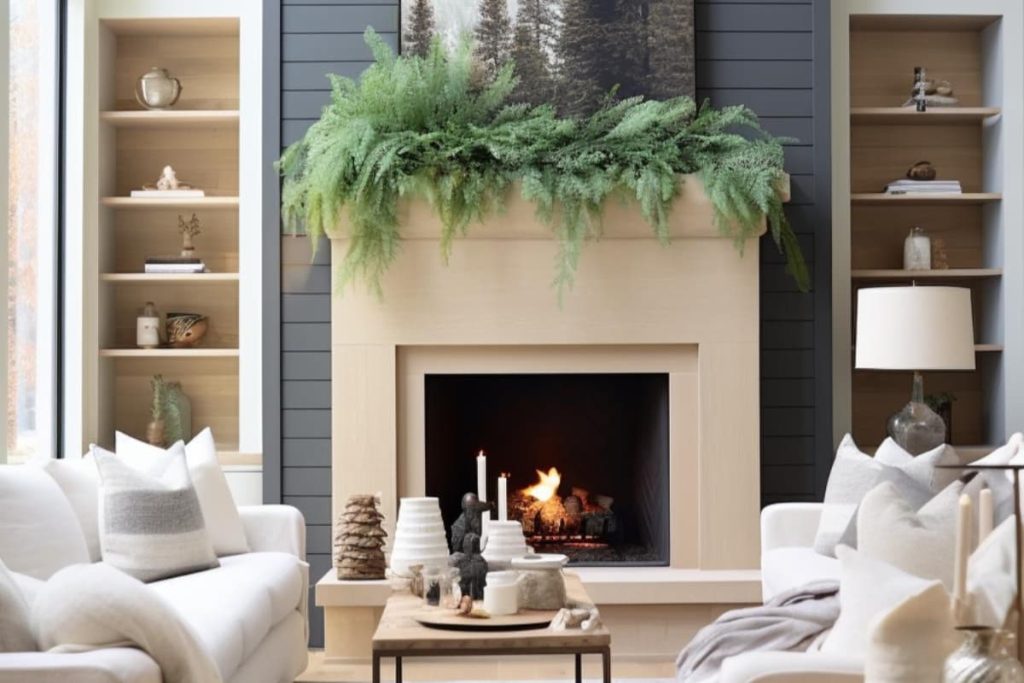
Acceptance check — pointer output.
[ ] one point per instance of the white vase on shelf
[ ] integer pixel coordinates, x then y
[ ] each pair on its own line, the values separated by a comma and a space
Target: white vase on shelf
419, 537
505, 542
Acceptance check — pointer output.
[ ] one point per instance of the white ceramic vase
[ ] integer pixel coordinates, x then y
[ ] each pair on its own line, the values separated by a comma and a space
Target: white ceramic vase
505, 542
419, 537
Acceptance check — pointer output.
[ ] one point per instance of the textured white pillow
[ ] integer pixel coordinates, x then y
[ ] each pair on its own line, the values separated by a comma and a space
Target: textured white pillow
919, 542
223, 522
15, 616
910, 642
39, 532
80, 483
867, 588
921, 468
151, 524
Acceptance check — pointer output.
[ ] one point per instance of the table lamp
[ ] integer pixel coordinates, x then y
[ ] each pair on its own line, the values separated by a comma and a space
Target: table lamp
915, 328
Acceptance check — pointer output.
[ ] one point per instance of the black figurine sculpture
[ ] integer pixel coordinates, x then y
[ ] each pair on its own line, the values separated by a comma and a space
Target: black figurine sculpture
472, 567
469, 522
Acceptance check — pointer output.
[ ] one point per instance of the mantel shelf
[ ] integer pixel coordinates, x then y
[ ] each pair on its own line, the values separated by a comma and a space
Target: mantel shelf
169, 353
932, 275
148, 203
881, 198
184, 278
936, 116
178, 118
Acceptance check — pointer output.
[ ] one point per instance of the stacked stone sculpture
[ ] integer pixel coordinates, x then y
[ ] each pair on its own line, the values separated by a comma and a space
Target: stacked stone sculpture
359, 540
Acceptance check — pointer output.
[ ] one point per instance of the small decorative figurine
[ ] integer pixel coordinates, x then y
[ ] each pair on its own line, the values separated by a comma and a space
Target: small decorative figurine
185, 330
168, 180
417, 585
166, 184
359, 542
188, 230
922, 170
157, 89
927, 92
470, 522
940, 258
472, 567
147, 327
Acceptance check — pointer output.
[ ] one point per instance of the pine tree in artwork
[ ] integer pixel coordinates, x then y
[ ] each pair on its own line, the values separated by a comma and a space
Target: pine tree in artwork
416, 40
671, 58
627, 62
494, 35
533, 47
582, 40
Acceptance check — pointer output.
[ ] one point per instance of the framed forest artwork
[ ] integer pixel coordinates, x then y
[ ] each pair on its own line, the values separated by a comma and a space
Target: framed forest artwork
570, 53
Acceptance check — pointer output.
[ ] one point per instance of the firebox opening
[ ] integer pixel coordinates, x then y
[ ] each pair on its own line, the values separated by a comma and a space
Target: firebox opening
587, 457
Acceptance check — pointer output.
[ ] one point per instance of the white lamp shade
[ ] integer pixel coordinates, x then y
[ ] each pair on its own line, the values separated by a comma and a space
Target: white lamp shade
915, 328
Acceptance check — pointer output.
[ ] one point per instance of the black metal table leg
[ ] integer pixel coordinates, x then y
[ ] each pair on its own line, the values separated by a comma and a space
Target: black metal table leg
579, 668
606, 664
398, 670
376, 668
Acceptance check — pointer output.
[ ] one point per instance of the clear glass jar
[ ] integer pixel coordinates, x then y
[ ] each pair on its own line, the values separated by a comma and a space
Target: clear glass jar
917, 250
986, 656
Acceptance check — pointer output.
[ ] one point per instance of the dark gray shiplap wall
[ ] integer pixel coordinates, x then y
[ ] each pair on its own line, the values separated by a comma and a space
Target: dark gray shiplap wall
768, 54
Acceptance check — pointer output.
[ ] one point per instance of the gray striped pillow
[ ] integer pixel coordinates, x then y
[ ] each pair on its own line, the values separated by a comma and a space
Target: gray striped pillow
151, 525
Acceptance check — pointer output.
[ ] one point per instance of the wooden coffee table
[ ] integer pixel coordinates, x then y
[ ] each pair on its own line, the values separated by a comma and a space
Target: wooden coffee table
398, 635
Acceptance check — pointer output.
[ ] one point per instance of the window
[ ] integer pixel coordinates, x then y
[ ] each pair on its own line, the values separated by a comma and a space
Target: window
30, 257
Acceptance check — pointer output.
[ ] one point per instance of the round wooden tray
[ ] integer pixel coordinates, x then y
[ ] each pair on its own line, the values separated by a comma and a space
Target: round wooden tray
452, 621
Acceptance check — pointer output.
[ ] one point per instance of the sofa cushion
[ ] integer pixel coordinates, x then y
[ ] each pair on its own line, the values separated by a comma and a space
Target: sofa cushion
223, 523
233, 607
80, 482
39, 532
788, 568
15, 616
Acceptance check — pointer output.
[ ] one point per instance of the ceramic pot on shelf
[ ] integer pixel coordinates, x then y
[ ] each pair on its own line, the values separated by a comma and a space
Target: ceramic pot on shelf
419, 537
157, 89
505, 542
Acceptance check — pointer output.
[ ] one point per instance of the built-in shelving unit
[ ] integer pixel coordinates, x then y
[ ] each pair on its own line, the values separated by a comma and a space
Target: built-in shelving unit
171, 117
963, 143
208, 203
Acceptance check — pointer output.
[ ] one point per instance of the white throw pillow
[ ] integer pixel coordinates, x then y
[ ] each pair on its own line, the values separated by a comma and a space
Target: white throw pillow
151, 524
991, 577
867, 588
223, 522
80, 483
920, 542
39, 532
15, 616
910, 642
921, 468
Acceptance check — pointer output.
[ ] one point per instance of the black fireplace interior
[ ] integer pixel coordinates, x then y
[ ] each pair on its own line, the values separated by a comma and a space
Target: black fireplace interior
606, 434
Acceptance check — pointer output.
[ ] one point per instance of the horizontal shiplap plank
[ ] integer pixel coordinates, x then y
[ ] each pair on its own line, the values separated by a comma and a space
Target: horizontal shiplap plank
770, 254
801, 128
331, 47
306, 337
315, 394
319, 564
319, 538
787, 393
726, 45
316, 509
787, 306
305, 308
787, 450
301, 452
775, 102
306, 423
786, 481
787, 364
787, 334
293, 130
754, 73
774, 277
753, 17
313, 75
305, 365
304, 104
296, 250
306, 278
306, 481
788, 421
337, 18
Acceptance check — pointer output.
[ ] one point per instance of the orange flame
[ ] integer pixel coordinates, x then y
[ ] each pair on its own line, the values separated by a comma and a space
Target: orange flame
546, 487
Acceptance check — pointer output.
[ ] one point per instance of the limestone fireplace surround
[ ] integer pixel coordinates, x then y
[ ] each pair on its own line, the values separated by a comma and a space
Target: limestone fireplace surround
689, 310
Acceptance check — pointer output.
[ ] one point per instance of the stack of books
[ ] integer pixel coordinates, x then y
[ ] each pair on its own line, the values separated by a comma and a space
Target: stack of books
906, 186
173, 264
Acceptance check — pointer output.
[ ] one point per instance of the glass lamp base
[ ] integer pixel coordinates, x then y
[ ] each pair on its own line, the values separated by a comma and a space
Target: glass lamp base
917, 428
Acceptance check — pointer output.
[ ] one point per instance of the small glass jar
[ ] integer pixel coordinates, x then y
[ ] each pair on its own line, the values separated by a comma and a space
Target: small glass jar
917, 250
985, 655
147, 327
432, 582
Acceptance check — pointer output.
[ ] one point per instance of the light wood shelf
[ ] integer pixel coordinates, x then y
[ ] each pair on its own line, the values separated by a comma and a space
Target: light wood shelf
172, 117
947, 274
978, 348
881, 198
172, 278
936, 116
148, 203
169, 353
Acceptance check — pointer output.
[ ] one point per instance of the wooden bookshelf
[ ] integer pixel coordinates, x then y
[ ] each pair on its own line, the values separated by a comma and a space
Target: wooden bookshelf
198, 203
171, 278
169, 353
909, 116
171, 118
965, 198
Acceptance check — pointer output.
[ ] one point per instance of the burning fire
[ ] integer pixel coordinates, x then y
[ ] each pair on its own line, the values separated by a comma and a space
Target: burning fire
546, 487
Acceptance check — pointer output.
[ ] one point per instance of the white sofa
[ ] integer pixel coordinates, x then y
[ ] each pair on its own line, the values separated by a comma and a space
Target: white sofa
788, 560
249, 613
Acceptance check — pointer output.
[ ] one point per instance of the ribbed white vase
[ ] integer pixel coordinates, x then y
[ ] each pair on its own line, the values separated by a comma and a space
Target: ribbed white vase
505, 542
419, 536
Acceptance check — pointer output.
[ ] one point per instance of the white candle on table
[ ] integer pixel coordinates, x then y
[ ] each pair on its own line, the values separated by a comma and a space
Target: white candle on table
963, 542
502, 497
986, 517
481, 476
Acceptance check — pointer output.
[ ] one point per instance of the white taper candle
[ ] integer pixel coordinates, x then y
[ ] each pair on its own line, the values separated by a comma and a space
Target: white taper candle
502, 498
986, 515
963, 543
481, 476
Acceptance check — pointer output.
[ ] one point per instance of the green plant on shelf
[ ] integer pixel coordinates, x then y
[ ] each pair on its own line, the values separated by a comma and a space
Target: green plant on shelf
436, 127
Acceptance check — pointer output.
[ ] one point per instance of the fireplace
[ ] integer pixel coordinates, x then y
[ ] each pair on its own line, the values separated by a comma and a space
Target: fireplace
587, 456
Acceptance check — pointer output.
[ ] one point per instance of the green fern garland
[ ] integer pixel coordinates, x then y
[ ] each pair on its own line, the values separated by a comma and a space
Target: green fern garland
437, 128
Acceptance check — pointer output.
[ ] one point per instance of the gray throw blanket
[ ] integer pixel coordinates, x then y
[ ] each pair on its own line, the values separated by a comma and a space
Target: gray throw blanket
789, 621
